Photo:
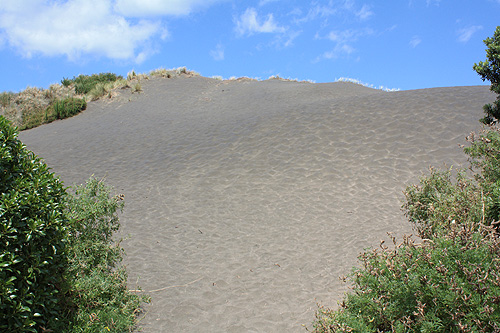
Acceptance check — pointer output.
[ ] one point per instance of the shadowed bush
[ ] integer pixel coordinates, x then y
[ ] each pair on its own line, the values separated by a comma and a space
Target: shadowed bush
32, 238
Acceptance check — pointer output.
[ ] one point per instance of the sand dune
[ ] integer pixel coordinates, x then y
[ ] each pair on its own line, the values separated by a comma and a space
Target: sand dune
245, 200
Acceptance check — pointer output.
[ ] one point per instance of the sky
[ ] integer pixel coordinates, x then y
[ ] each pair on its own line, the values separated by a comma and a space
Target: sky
396, 44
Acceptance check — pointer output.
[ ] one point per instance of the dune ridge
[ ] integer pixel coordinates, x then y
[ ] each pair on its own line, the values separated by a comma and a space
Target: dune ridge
246, 200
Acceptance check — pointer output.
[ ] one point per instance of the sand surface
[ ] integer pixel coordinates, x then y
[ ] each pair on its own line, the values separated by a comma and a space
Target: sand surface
245, 201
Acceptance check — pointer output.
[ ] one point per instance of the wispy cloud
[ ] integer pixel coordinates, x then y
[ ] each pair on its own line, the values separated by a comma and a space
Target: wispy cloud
415, 41
344, 8
364, 13
74, 28
465, 34
317, 11
343, 42
218, 53
155, 8
249, 23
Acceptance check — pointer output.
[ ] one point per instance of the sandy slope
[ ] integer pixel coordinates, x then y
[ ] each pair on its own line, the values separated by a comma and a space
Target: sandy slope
245, 201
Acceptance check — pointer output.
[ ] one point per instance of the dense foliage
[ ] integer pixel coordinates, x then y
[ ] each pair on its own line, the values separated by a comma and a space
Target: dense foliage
449, 284
32, 237
490, 70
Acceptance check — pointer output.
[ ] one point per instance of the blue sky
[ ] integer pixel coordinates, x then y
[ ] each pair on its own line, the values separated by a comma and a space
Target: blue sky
405, 44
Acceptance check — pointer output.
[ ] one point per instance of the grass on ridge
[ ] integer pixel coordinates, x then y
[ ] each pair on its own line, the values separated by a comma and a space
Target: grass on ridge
33, 107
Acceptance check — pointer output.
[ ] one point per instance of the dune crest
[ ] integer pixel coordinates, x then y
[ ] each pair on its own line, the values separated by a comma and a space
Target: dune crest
246, 200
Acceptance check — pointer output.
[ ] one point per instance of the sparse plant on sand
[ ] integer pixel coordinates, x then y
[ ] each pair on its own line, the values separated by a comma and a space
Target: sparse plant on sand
137, 87
131, 75
490, 70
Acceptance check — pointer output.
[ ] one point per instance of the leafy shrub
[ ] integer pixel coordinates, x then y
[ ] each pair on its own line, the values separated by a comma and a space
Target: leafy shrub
490, 70
484, 153
450, 284
67, 107
32, 237
437, 202
101, 301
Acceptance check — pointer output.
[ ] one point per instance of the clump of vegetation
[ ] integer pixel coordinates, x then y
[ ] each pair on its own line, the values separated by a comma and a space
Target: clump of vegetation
6, 98
30, 107
32, 238
99, 295
59, 264
85, 83
68, 107
137, 87
450, 282
33, 107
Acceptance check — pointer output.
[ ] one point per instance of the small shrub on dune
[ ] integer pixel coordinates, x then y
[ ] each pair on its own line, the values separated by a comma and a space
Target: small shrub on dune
137, 88
99, 291
85, 83
67, 107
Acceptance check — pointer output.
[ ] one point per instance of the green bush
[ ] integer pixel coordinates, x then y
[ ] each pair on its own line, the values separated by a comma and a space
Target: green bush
101, 300
67, 107
32, 238
484, 153
438, 201
490, 70
450, 284
85, 83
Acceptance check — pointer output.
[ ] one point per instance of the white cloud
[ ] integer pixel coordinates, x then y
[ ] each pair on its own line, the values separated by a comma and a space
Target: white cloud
315, 12
339, 50
364, 12
343, 41
345, 8
249, 23
465, 34
73, 28
415, 41
218, 53
152, 8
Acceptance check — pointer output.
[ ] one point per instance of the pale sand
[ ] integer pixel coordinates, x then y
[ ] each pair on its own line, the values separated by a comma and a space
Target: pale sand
245, 201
